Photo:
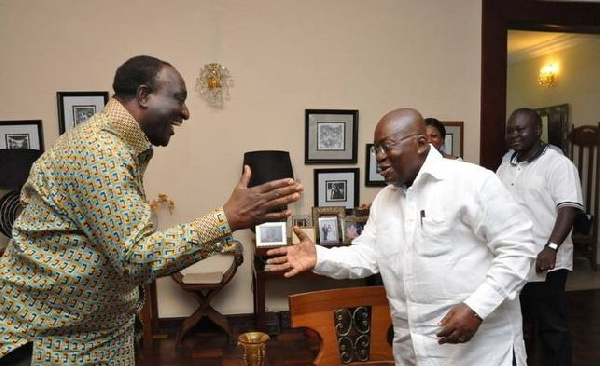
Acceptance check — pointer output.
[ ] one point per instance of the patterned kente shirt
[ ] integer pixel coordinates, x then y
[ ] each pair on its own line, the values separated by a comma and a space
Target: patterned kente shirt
85, 242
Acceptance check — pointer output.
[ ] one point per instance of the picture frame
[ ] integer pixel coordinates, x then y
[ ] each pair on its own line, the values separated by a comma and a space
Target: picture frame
76, 107
353, 227
302, 221
331, 136
372, 177
336, 187
271, 234
338, 212
453, 143
26, 134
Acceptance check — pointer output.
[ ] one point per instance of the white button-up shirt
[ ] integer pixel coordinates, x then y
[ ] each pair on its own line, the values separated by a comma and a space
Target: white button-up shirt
541, 186
456, 235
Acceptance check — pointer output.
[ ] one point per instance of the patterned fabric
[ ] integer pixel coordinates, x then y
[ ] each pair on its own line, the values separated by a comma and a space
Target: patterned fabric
85, 242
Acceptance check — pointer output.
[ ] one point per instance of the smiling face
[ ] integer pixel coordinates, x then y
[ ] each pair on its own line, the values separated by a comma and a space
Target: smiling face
164, 108
401, 146
523, 132
434, 136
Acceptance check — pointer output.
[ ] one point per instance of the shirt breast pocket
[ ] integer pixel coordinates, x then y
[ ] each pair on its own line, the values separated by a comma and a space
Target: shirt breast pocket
433, 236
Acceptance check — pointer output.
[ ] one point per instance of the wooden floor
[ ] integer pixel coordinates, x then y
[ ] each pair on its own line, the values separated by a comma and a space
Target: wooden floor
207, 345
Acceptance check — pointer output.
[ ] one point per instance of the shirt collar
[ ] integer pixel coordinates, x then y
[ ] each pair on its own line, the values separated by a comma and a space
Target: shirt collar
122, 124
433, 166
540, 151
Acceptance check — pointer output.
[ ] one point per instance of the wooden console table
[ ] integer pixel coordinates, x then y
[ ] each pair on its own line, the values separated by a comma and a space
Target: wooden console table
260, 277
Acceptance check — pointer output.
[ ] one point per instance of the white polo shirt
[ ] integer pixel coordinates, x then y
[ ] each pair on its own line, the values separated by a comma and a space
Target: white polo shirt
542, 185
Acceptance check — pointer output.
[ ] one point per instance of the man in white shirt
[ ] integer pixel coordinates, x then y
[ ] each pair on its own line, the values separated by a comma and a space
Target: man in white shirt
451, 245
546, 184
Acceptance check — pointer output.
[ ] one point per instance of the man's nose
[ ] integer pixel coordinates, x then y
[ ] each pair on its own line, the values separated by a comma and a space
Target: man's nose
185, 112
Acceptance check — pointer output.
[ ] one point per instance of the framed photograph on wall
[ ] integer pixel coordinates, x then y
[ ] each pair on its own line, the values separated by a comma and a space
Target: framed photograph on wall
76, 107
21, 135
271, 234
372, 176
337, 187
453, 144
331, 136
324, 219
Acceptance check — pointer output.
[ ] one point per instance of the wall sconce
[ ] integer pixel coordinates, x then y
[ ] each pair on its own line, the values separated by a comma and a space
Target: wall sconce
213, 83
548, 75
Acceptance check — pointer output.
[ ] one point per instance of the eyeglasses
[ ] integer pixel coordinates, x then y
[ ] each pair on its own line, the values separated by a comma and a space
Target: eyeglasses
386, 147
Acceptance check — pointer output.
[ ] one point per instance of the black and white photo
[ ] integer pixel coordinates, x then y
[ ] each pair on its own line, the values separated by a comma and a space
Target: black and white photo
337, 187
373, 178
331, 136
21, 135
76, 107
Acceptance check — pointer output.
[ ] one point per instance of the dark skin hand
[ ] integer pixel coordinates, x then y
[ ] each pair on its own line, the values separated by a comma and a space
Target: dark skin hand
248, 207
293, 259
459, 325
546, 259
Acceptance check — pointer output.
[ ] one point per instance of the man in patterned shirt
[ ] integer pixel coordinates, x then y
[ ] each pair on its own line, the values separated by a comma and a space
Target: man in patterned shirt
85, 241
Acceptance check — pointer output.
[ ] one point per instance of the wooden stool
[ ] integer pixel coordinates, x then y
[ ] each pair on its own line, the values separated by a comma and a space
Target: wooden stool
205, 281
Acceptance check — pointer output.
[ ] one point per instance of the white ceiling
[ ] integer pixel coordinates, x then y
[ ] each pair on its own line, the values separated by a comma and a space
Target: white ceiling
522, 45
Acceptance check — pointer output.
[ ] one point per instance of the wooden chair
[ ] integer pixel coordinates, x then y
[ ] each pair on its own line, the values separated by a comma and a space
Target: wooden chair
205, 279
353, 324
585, 142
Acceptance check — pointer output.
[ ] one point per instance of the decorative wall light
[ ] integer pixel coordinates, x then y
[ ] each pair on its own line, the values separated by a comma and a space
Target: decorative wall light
213, 84
548, 75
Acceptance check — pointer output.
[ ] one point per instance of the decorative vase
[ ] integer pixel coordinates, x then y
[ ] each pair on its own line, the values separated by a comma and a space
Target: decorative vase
253, 346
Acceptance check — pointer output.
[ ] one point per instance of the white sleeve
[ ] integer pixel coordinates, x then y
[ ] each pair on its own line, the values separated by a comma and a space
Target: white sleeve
507, 231
357, 260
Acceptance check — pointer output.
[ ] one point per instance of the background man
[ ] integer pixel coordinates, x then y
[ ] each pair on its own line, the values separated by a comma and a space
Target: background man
546, 184
452, 248
85, 240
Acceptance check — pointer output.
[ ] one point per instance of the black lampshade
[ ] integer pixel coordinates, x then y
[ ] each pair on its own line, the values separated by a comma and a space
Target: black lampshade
15, 165
268, 165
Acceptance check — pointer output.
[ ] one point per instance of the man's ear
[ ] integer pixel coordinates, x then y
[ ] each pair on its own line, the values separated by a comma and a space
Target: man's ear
142, 95
423, 144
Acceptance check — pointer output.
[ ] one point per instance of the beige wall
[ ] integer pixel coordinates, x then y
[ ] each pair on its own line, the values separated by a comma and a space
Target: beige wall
285, 56
578, 81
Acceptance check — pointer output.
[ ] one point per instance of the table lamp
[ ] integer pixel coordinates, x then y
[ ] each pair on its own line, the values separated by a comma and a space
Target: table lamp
14, 170
268, 165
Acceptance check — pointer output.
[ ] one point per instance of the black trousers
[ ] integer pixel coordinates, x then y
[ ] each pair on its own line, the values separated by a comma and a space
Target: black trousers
19, 357
545, 313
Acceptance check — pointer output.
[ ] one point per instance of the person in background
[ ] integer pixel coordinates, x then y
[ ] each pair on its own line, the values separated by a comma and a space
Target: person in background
452, 247
85, 241
546, 184
436, 134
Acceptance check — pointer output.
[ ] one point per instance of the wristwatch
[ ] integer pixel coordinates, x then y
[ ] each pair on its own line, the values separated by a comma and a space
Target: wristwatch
552, 246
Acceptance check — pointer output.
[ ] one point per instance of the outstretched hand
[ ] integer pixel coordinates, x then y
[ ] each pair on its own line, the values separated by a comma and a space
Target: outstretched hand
293, 259
459, 325
248, 207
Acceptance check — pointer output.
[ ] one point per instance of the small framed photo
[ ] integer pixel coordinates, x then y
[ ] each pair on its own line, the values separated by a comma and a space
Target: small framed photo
372, 176
21, 135
329, 232
331, 136
302, 221
453, 144
76, 107
324, 219
271, 234
337, 187
353, 227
